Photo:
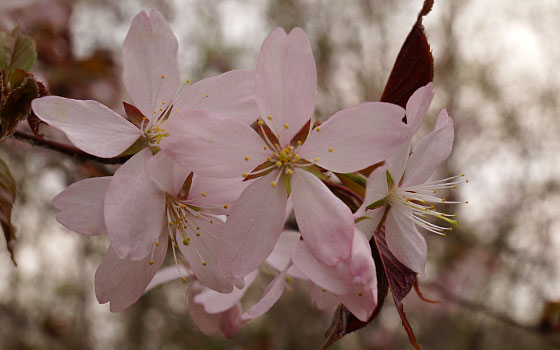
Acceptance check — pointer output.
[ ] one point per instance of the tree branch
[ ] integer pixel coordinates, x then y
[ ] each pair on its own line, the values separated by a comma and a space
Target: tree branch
66, 149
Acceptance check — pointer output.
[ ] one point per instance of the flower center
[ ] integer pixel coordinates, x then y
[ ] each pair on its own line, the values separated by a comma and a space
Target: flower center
282, 158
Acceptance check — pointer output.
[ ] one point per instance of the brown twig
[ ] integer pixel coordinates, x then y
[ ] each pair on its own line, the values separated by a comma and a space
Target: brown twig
66, 149
479, 307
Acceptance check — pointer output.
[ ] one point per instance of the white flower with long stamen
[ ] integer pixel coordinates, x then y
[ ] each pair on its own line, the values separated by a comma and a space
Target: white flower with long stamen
399, 192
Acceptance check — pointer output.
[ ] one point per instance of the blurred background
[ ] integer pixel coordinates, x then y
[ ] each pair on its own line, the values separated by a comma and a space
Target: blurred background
497, 276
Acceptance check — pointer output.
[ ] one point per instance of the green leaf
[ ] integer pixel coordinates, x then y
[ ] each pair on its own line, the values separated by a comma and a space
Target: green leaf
17, 51
136, 147
17, 106
354, 182
7, 199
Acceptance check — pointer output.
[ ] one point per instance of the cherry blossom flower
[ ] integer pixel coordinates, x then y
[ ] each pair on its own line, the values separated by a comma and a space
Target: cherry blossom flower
151, 77
400, 191
351, 282
279, 160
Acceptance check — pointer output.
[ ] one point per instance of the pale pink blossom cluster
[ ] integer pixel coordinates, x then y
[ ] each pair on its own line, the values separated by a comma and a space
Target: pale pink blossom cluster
219, 165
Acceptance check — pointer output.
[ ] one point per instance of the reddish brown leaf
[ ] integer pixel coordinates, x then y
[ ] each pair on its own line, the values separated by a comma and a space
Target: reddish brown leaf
421, 296
33, 121
134, 115
414, 66
7, 199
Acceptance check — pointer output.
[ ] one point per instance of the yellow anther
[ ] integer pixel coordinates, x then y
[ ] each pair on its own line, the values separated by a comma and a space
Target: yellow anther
323, 290
444, 234
279, 164
286, 126
211, 221
183, 206
246, 158
171, 223
206, 95
316, 159
265, 148
162, 102
161, 109
467, 181
453, 187
204, 263
196, 216
450, 228
318, 128
244, 175
269, 117
296, 157
260, 122
198, 234
360, 294
289, 171
198, 227
466, 202
268, 159
299, 142
151, 262
157, 244
154, 113
443, 199
184, 279
434, 191
203, 194
330, 149
462, 174
273, 183
162, 76
188, 81
186, 241
226, 206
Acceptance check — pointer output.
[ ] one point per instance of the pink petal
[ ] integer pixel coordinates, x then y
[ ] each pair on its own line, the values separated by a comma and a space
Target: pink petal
150, 68
405, 242
215, 302
231, 94
271, 295
282, 253
81, 206
201, 252
122, 282
376, 188
361, 303
349, 276
332, 278
432, 150
229, 323
207, 323
369, 225
89, 125
397, 163
166, 173
134, 209
417, 107
209, 192
213, 145
256, 220
325, 222
286, 82
357, 137
167, 274
321, 298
